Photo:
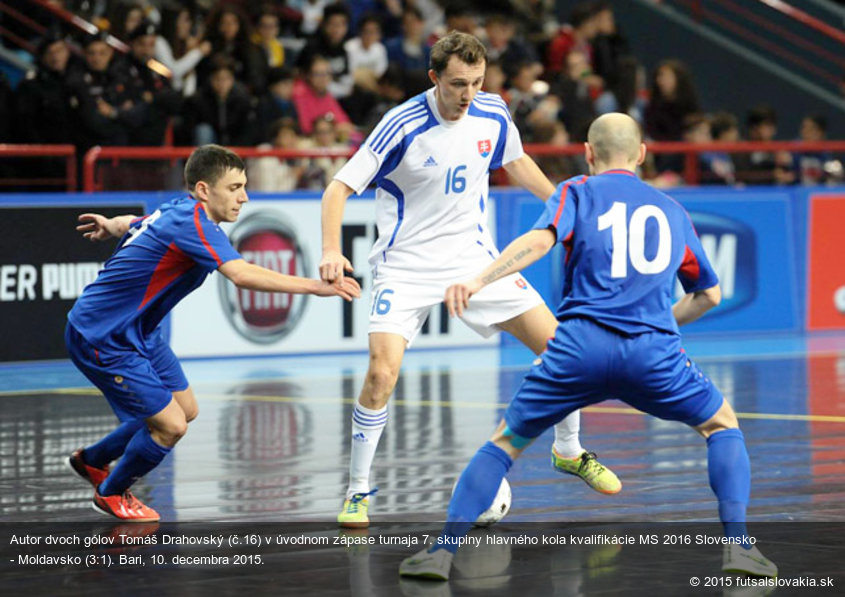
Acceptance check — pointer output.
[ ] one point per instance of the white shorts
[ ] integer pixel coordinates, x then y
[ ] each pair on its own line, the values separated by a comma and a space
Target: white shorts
402, 307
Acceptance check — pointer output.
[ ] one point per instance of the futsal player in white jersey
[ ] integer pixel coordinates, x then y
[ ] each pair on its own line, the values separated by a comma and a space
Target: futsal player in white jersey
430, 158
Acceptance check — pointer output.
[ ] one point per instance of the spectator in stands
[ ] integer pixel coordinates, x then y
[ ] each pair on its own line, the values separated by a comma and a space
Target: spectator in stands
221, 112
630, 90
390, 93
609, 48
180, 48
759, 167
511, 53
410, 53
43, 98
272, 173
266, 36
155, 99
574, 88
495, 79
312, 14
714, 167
525, 99
123, 17
672, 98
556, 167
103, 104
366, 51
810, 166
229, 34
368, 62
312, 99
575, 36
329, 43
277, 102
320, 171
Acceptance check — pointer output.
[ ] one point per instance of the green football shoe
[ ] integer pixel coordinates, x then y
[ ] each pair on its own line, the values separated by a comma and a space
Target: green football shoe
594, 474
354, 513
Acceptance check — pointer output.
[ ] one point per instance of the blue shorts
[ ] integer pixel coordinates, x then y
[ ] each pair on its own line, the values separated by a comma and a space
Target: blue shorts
586, 363
136, 387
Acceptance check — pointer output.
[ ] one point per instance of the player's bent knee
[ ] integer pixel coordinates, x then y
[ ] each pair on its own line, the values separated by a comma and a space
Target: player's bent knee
382, 379
725, 418
169, 432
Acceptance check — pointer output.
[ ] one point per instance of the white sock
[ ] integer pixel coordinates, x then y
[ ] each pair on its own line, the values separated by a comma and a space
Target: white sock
367, 425
567, 442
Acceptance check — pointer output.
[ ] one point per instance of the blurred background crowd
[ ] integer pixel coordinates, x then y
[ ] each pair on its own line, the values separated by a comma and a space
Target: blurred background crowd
305, 74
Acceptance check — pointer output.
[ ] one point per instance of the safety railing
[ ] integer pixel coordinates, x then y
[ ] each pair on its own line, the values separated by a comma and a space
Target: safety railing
67, 152
92, 179
690, 151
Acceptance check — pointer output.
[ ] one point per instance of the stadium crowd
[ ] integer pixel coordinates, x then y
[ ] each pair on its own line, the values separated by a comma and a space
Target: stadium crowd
310, 73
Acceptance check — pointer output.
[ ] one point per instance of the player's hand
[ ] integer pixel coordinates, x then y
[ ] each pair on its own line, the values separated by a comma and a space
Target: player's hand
333, 266
458, 295
95, 227
347, 289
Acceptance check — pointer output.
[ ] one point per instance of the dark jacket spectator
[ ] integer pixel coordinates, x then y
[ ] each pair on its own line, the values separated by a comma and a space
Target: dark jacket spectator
277, 102
43, 108
157, 101
221, 112
105, 109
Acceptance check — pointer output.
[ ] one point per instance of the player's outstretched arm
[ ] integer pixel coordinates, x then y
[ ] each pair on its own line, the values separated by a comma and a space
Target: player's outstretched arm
255, 277
527, 173
333, 265
518, 255
98, 227
695, 304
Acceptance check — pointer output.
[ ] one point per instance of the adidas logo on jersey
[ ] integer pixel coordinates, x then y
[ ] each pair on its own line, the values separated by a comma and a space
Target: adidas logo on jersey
429, 162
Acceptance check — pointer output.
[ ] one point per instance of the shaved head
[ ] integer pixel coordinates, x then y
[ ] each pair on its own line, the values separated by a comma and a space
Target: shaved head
614, 138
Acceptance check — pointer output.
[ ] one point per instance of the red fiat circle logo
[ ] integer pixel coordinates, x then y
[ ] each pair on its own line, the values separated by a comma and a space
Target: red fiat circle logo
267, 240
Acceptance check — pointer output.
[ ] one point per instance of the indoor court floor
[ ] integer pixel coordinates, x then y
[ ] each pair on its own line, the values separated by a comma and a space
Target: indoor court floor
267, 457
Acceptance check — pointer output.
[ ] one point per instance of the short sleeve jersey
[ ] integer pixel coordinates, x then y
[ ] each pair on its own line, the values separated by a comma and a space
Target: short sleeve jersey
625, 244
158, 262
432, 184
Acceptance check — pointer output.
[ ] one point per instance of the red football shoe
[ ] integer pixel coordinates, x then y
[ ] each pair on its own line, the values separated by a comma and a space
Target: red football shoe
125, 507
93, 475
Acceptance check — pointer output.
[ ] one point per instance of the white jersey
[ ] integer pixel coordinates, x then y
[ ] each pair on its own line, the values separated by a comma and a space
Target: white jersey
432, 178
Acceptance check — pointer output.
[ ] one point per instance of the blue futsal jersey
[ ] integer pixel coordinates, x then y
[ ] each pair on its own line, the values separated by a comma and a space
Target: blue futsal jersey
160, 260
625, 242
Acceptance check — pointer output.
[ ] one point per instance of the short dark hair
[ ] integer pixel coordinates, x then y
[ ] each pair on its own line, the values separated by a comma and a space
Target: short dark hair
208, 163
466, 47
762, 114
820, 120
721, 123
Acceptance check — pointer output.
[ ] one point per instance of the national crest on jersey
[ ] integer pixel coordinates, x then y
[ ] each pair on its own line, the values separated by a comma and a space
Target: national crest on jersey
432, 183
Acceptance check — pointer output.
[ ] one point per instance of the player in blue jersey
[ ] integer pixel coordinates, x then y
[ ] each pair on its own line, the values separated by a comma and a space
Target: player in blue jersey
430, 159
618, 336
113, 333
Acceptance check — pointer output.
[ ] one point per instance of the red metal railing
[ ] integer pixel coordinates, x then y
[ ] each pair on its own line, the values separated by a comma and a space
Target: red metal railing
690, 151
42, 151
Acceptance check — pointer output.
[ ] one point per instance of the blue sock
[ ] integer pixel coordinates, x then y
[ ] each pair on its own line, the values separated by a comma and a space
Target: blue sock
141, 456
474, 493
730, 479
112, 446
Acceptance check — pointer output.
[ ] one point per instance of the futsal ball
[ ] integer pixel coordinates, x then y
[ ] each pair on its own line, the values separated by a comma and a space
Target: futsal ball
497, 510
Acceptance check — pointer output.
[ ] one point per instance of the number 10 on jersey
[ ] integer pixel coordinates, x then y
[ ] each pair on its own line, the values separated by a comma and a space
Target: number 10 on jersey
628, 239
